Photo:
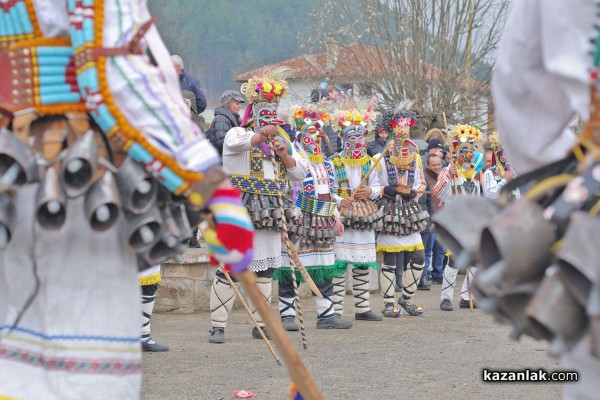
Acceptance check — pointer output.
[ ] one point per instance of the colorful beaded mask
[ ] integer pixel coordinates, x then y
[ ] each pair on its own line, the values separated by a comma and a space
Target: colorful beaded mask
265, 113
263, 94
353, 142
353, 125
309, 121
462, 146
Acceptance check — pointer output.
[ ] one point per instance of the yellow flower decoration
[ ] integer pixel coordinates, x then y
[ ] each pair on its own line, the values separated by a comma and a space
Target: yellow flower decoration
326, 118
267, 87
277, 89
299, 114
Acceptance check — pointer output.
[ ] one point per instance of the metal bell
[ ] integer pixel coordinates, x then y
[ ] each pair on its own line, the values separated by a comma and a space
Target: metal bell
51, 201
163, 249
176, 221
522, 238
137, 188
577, 257
459, 226
17, 162
7, 219
556, 314
80, 165
143, 230
102, 203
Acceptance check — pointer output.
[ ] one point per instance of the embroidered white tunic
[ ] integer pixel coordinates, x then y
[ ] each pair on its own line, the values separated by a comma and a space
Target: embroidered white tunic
236, 160
356, 246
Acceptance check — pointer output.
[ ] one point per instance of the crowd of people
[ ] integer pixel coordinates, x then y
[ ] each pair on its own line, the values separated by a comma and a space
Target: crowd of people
397, 199
105, 172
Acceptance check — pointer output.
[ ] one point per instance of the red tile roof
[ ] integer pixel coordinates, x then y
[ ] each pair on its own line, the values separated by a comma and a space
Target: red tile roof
351, 63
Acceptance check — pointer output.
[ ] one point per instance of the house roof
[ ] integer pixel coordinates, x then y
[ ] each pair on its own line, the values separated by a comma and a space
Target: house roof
350, 63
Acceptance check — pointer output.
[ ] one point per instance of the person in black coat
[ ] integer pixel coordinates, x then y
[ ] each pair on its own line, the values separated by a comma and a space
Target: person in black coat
188, 82
226, 117
378, 145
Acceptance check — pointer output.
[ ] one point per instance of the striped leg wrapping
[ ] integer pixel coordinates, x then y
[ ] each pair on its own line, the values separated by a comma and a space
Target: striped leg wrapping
339, 291
360, 290
324, 307
448, 282
388, 283
287, 307
222, 298
411, 278
265, 287
464, 292
148, 297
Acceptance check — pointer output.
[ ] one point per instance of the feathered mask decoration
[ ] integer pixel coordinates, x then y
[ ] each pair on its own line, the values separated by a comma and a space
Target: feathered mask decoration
399, 117
271, 85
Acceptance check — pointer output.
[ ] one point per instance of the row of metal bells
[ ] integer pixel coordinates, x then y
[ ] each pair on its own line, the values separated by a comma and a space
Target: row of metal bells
459, 226
519, 281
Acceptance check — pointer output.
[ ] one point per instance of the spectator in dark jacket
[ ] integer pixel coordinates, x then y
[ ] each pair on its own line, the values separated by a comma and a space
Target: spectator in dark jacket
226, 117
191, 83
434, 166
426, 203
378, 145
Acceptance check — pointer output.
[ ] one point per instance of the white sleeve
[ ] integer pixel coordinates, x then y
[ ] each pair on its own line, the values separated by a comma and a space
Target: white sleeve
374, 185
300, 170
237, 140
491, 188
541, 78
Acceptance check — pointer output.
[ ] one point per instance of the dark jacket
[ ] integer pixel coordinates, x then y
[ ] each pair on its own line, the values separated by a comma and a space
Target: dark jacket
431, 179
189, 82
376, 146
333, 140
223, 122
426, 203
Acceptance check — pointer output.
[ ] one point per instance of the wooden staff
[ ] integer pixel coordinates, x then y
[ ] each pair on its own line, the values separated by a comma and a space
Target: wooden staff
209, 223
366, 178
254, 322
296, 368
290, 250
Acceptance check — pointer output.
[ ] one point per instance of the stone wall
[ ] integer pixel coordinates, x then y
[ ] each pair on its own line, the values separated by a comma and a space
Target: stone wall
185, 285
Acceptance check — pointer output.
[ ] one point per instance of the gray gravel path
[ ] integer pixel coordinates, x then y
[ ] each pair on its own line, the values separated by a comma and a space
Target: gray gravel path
437, 356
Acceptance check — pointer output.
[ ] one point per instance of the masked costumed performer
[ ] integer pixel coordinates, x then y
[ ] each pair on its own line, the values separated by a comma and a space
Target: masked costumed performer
360, 216
248, 161
317, 224
459, 179
401, 178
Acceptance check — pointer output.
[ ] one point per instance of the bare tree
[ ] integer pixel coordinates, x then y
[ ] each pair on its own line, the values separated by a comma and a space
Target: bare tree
438, 53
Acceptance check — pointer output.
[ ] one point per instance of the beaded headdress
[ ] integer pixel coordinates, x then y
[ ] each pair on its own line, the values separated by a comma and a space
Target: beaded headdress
353, 121
462, 145
264, 93
399, 117
309, 120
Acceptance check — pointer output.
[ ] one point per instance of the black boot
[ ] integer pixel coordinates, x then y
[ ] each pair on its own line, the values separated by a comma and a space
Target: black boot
217, 335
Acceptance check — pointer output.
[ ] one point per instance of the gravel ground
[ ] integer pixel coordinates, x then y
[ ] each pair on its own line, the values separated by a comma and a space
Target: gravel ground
439, 355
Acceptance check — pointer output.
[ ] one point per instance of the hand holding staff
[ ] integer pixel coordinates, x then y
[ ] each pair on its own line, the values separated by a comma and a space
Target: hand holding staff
364, 180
